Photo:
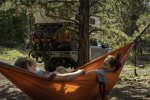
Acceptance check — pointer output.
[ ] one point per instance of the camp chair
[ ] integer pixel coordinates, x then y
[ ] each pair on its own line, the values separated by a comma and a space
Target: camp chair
85, 87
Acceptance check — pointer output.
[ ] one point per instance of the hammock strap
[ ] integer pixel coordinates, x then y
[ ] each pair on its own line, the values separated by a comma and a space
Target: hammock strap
136, 39
102, 90
102, 81
135, 53
135, 59
136, 42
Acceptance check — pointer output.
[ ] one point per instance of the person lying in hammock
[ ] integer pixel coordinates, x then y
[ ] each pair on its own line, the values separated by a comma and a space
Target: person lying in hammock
60, 75
112, 63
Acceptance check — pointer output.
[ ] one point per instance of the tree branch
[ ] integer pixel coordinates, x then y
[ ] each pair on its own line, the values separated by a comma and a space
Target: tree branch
94, 30
93, 13
63, 18
62, 1
93, 3
75, 31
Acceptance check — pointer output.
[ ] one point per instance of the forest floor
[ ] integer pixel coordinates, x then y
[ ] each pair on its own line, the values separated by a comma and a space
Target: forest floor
131, 87
128, 87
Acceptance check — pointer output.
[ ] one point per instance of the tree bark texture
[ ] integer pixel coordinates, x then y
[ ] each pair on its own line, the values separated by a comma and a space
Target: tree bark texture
83, 47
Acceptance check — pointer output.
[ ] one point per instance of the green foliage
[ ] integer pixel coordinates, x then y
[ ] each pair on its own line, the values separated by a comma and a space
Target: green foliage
119, 18
144, 19
111, 36
65, 10
9, 54
122, 14
13, 26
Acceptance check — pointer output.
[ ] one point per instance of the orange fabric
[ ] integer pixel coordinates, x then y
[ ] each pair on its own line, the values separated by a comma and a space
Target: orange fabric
84, 87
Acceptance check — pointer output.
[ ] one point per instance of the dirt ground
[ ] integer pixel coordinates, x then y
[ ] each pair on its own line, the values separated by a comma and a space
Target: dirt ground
127, 88
131, 90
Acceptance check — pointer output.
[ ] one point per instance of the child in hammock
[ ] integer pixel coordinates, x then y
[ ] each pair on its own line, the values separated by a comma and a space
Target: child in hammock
61, 74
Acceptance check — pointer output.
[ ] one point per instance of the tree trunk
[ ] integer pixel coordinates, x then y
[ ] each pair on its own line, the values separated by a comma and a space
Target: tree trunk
131, 27
83, 50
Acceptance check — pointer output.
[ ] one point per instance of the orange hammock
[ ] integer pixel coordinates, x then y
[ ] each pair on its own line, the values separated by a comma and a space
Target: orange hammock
84, 87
